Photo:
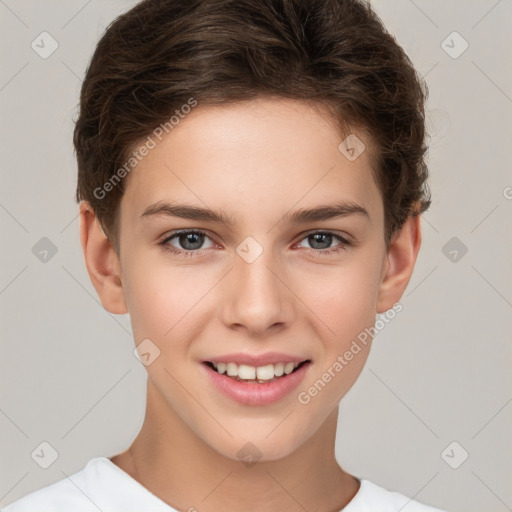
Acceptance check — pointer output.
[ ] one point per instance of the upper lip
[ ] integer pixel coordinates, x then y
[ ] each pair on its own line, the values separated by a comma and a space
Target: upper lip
257, 359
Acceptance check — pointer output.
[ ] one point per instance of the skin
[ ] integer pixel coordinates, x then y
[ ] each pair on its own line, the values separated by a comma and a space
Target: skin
256, 161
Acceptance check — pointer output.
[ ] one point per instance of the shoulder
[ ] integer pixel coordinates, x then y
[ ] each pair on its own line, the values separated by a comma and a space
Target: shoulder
56, 497
373, 498
100, 485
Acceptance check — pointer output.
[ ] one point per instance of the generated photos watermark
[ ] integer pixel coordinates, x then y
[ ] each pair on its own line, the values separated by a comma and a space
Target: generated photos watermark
305, 397
150, 143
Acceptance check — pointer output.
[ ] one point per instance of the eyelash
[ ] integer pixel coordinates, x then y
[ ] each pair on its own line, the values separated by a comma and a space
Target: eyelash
317, 252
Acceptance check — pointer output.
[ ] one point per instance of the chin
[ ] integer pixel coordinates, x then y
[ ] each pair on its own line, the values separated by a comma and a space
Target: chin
259, 447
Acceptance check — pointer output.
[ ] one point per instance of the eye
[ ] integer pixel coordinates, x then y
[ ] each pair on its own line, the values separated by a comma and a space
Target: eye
190, 241
321, 239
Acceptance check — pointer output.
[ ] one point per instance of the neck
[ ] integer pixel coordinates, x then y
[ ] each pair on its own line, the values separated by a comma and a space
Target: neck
173, 463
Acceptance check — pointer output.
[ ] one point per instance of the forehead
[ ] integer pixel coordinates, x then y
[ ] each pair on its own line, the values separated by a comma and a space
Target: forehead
253, 159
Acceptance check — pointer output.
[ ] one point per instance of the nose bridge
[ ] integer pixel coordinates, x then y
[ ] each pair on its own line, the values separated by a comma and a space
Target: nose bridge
256, 298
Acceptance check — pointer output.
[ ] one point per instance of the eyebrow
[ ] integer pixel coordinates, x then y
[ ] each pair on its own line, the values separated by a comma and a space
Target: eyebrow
301, 216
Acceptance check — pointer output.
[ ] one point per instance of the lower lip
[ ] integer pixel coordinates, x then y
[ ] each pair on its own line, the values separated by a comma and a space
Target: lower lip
252, 393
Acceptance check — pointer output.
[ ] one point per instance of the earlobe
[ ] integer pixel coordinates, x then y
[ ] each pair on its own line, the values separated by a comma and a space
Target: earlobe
399, 266
101, 261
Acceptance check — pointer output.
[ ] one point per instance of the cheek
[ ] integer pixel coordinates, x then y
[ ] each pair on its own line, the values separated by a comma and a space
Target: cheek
164, 301
154, 296
344, 299
344, 307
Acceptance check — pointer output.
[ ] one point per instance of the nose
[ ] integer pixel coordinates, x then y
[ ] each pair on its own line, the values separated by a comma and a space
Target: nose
256, 298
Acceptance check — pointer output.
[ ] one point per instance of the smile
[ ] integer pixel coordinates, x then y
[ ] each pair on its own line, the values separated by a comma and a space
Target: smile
260, 374
256, 385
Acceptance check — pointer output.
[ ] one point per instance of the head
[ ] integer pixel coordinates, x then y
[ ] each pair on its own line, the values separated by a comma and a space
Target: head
258, 111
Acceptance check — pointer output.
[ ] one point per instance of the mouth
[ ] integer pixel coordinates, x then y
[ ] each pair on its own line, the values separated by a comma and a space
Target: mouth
256, 385
256, 374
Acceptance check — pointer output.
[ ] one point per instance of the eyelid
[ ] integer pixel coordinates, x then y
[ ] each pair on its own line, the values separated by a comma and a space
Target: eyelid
175, 234
341, 234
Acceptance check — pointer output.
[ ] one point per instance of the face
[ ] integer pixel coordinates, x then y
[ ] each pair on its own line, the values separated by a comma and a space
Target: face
267, 281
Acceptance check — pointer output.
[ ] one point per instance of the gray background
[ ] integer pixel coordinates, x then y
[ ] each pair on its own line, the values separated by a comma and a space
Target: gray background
438, 373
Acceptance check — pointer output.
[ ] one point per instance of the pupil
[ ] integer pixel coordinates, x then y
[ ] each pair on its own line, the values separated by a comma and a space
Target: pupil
189, 238
318, 238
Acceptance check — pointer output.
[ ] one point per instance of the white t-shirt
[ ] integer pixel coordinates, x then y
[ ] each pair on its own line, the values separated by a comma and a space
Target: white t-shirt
103, 486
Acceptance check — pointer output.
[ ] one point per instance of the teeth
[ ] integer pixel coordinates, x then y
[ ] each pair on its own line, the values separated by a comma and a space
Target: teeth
278, 369
288, 368
265, 372
232, 369
261, 373
246, 372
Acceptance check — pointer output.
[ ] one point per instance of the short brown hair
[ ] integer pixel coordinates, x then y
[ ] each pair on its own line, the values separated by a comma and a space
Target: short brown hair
157, 56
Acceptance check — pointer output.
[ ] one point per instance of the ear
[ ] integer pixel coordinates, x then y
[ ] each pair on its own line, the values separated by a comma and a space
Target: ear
399, 263
101, 261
